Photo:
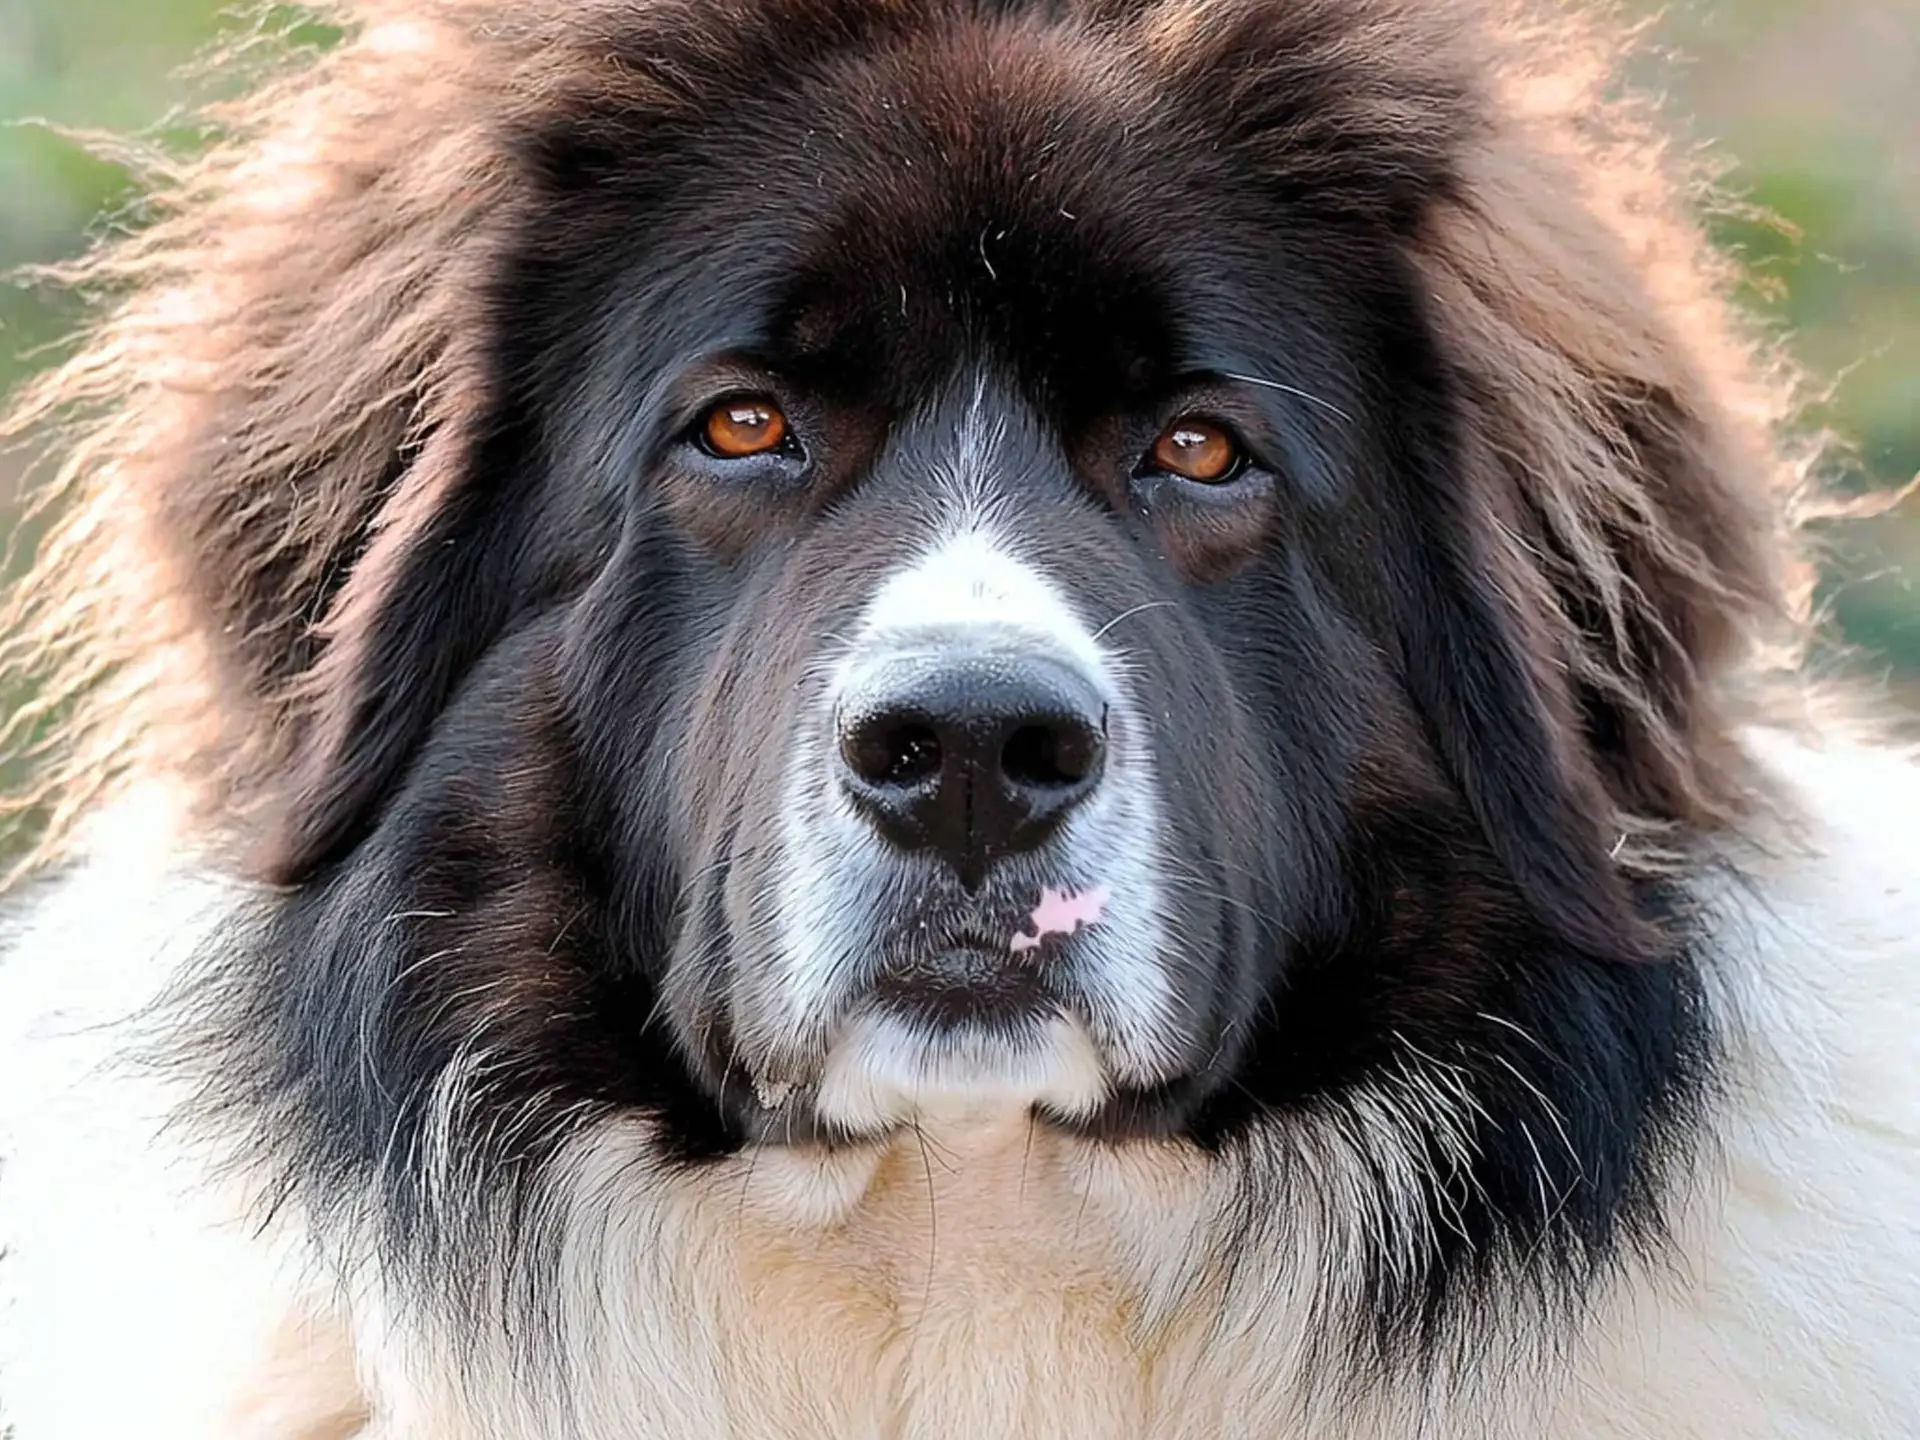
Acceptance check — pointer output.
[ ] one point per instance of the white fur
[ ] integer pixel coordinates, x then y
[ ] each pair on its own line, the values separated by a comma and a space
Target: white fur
985, 1279
884, 1071
138, 1302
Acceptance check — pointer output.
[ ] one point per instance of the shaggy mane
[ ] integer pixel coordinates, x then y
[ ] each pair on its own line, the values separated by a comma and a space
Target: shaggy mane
288, 363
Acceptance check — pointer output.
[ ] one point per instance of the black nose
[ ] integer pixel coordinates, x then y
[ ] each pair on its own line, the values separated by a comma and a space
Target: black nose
971, 756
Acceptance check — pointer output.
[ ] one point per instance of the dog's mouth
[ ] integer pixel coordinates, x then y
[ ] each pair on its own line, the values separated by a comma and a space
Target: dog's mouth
948, 963
954, 1010
989, 967
968, 984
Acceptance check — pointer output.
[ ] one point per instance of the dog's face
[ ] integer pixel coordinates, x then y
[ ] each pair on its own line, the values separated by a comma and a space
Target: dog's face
986, 565
965, 476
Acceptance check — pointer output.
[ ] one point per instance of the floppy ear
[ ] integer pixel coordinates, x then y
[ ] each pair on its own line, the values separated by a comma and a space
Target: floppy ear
436, 586
1506, 728
1606, 544
1627, 446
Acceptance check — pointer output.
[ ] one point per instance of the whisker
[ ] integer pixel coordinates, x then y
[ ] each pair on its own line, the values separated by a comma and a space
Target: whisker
1295, 391
1128, 614
933, 1224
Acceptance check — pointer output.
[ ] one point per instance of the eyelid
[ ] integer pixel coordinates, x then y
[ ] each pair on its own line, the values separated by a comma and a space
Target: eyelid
685, 398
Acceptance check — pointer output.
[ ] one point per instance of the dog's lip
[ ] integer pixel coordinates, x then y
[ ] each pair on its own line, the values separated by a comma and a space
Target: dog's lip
992, 933
945, 970
957, 985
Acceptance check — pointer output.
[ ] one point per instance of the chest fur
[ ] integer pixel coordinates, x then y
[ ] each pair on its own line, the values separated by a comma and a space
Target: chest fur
981, 1283
975, 1282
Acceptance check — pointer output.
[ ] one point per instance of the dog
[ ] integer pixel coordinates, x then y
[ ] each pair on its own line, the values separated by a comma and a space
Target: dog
907, 718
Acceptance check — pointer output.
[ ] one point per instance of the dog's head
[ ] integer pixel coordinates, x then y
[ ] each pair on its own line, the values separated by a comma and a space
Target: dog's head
1109, 557
1033, 532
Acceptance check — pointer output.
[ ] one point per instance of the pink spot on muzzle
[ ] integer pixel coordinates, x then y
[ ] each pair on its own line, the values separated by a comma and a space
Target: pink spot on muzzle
1061, 912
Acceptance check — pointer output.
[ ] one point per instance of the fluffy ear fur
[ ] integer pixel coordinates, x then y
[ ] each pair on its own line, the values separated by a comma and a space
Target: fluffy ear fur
291, 359
438, 583
1628, 470
1490, 717
1609, 553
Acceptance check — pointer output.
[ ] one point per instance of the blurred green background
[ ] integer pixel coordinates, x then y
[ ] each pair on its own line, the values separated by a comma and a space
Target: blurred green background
1818, 101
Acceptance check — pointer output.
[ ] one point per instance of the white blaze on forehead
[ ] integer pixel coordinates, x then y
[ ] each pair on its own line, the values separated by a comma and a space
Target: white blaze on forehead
970, 580
967, 573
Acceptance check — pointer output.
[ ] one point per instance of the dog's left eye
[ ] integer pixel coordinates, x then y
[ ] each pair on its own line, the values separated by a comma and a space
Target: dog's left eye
1197, 449
741, 427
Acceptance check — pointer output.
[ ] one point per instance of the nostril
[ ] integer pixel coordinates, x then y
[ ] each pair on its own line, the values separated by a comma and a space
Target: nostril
971, 756
898, 753
1053, 755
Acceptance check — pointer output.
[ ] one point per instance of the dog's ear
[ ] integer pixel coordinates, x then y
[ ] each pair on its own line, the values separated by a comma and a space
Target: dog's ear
1602, 542
1508, 734
1631, 463
436, 585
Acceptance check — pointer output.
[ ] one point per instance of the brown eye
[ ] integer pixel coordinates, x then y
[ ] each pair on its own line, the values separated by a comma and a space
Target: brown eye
750, 425
1196, 450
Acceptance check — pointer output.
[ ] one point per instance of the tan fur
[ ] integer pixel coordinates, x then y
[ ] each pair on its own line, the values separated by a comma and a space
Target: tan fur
941, 1320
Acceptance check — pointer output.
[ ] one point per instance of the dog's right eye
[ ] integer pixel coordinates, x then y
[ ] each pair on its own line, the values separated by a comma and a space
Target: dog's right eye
741, 427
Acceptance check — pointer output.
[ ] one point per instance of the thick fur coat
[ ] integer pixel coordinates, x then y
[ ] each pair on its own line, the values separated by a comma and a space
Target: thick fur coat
888, 719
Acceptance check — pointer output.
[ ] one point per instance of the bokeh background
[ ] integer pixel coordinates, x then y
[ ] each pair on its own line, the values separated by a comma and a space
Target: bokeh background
1815, 103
